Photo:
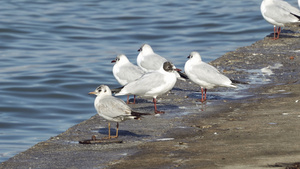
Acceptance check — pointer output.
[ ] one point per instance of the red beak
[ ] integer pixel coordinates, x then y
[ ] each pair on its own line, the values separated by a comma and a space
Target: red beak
113, 61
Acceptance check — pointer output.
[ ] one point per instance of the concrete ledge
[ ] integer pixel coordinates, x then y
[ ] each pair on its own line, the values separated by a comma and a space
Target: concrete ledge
254, 126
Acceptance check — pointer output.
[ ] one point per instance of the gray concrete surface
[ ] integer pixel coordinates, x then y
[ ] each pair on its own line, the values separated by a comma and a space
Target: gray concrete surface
253, 126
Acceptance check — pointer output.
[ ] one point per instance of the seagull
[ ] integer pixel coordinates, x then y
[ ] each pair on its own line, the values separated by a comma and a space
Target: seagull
149, 61
152, 84
204, 74
112, 108
279, 13
124, 71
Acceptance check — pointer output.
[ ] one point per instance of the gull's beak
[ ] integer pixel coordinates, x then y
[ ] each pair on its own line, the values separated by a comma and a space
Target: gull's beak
113, 61
92, 92
178, 70
189, 56
140, 49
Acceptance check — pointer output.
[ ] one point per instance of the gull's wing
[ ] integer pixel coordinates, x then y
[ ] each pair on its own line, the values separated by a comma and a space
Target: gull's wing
209, 74
147, 83
113, 107
152, 62
130, 72
281, 12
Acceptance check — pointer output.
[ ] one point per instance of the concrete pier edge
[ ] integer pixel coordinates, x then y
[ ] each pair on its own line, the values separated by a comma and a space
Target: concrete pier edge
254, 126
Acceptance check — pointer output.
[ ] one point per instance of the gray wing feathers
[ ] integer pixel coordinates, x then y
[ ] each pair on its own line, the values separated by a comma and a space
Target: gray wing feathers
155, 62
210, 74
130, 73
145, 84
282, 12
114, 107
286, 6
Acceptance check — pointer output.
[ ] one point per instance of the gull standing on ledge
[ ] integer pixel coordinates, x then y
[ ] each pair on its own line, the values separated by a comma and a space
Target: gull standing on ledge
279, 13
204, 74
149, 61
152, 84
124, 71
112, 108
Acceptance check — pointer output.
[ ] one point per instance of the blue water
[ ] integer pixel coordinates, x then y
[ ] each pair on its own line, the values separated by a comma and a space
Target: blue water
53, 52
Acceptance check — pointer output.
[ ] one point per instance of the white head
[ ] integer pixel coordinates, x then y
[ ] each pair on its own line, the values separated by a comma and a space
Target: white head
102, 90
195, 56
120, 59
146, 49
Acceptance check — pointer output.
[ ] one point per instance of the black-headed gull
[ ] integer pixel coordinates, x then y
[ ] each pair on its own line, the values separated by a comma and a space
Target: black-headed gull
279, 13
124, 71
204, 74
152, 84
149, 61
112, 108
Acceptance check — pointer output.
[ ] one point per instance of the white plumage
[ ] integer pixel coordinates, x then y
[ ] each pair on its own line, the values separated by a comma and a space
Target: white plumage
279, 13
149, 61
124, 71
152, 84
204, 74
112, 108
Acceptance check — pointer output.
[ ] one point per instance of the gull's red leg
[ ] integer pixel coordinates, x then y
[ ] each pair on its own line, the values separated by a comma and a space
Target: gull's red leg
278, 32
205, 94
155, 108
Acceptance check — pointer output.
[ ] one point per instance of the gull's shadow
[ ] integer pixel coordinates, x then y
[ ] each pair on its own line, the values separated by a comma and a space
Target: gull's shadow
283, 35
177, 89
138, 100
160, 107
104, 131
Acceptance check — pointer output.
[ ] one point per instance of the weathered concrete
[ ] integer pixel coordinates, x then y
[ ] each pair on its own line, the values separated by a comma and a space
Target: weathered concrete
254, 126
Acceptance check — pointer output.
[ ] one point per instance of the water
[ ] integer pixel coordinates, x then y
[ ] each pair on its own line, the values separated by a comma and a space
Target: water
53, 52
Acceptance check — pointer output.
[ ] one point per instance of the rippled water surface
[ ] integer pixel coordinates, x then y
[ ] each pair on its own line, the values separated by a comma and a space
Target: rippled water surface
53, 52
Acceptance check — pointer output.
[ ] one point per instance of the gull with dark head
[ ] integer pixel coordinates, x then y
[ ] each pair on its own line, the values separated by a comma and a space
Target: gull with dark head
204, 74
112, 108
152, 84
124, 71
279, 13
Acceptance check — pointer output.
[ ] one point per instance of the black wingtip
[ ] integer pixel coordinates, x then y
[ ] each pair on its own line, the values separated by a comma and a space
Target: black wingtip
183, 75
238, 82
138, 114
117, 90
297, 16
